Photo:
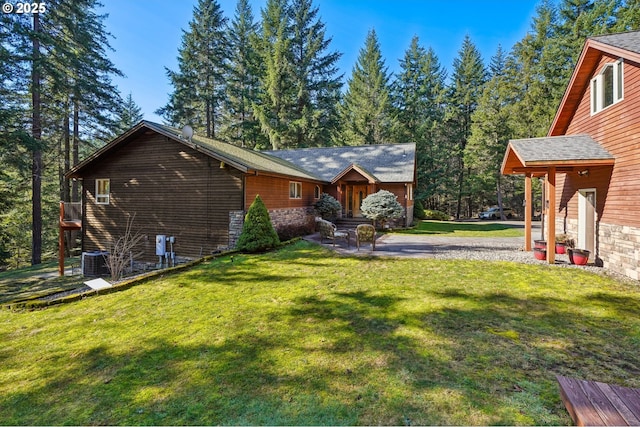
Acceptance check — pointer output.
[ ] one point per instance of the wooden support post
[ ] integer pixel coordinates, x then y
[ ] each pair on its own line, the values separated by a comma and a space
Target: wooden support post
528, 205
61, 242
551, 222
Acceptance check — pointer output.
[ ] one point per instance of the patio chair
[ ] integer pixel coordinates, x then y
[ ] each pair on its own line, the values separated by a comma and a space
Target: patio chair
328, 230
366, 233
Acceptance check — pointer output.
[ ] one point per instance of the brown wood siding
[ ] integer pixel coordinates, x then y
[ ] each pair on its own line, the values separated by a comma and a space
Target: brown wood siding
274, 192
617, 128
171, 189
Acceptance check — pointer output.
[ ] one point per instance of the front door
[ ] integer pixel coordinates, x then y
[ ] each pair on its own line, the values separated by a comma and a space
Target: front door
357, 196
587, 220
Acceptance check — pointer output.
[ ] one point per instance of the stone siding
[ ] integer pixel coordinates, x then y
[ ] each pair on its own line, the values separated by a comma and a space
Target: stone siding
280, 218
617, 246
236, 221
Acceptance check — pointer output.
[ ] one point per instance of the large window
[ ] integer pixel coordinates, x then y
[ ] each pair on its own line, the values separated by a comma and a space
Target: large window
295, 190
103, 188
607, 87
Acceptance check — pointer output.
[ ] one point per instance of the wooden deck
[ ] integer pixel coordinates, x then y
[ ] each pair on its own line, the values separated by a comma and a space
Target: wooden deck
592, 403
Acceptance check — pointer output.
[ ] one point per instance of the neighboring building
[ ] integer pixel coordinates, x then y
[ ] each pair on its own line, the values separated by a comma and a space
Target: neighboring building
593, 146
198, 190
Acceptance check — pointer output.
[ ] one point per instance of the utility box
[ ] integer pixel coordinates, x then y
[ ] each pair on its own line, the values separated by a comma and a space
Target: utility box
161, 244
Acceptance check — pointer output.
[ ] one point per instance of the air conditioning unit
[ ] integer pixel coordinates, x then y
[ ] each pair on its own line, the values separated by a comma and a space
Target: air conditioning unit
94, 264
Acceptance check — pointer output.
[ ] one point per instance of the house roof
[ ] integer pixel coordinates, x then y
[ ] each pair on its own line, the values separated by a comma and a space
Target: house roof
382, 163
566, 152
621, 45
240, 158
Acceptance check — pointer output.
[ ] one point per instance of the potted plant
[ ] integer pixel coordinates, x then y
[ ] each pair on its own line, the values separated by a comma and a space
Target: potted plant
563, 242
540, 244
578, 256
540, 253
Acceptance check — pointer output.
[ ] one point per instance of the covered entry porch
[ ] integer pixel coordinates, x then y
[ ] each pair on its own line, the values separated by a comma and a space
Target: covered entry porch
547, 158
353, 185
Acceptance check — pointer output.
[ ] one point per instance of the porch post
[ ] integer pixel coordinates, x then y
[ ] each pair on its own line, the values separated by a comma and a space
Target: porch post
528, 205
61, 242
551, 223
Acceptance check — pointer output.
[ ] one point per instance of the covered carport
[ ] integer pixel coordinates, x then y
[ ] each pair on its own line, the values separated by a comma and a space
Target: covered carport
547, 157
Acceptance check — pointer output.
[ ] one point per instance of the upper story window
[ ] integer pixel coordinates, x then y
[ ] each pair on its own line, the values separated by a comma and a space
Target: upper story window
103, 189
607, 86
295, 190
316, 192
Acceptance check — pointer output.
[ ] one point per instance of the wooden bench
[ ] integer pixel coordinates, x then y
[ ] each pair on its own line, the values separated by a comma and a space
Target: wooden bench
592, 403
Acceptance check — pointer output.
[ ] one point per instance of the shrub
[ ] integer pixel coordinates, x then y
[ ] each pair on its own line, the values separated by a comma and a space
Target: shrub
381, 206
436, 215
289, 231
327, 206
418, 210
258, 234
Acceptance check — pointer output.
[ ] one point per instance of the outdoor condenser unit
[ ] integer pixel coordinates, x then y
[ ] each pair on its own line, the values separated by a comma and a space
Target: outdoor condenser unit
94, 264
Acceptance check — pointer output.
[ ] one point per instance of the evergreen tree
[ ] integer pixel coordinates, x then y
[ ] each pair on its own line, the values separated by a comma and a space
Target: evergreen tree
417, 94
365, 111
277, 97
240, 124
257, 234
198, 85
128, 115
468, 79
315, 80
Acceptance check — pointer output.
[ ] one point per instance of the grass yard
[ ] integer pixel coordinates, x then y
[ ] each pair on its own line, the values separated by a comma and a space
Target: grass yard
302, 336
466, 229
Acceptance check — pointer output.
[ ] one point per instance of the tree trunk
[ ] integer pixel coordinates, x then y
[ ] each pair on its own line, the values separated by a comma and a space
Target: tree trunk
75, 191
36, 164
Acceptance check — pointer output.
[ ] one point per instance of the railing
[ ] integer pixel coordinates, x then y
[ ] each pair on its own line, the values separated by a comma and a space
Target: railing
70, 211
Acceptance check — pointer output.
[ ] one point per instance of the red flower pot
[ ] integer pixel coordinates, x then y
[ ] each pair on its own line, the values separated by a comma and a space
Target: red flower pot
578, 256
540, 244
561, 248
540, 253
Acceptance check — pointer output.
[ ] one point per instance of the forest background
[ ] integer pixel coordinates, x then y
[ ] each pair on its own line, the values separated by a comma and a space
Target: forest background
269, 79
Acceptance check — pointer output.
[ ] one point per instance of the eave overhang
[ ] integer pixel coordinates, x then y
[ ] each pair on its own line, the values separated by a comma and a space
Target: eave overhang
362, 171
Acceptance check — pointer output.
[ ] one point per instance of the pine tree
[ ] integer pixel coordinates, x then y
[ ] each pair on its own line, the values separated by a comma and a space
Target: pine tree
417, 94
277, 97
468, 79
128, 114
315, 80
365, 111
257, 234
198, 85
240, 126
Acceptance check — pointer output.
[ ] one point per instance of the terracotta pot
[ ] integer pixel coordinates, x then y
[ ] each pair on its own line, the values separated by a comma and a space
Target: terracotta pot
540, 253
542, 244
578, 256
561, 247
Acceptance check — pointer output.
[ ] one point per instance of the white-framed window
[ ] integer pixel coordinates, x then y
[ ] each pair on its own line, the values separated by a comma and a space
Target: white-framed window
607, 88
103, 189
316, 192
295, 190
410, 191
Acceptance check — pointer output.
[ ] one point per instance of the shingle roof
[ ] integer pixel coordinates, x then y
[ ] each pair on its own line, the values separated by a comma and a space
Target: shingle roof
387, 163
563, 151
629, 41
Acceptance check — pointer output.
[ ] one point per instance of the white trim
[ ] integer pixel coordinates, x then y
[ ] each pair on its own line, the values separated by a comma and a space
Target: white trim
584, 241
597, 88
297, 190
103, 198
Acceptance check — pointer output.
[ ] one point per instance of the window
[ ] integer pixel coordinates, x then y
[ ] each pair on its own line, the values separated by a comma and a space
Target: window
295, 190
607, 87
316, 192
410, 191
103, 187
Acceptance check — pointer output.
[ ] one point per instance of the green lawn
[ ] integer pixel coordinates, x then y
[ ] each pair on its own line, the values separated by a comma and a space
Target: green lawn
303, 336
466, 229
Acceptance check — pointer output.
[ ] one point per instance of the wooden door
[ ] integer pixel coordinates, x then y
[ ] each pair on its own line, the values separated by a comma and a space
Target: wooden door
358, 195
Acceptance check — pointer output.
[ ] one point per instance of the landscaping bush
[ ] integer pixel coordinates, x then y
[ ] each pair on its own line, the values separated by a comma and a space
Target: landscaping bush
436, 215
327, 206
418, 210
381, 206
258, 234
290, 231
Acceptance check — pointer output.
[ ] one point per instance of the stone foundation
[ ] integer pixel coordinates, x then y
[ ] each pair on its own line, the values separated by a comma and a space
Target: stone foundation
617, 246
236, 220
280, 218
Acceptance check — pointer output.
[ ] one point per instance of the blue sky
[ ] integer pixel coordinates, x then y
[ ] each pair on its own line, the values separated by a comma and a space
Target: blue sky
148, 33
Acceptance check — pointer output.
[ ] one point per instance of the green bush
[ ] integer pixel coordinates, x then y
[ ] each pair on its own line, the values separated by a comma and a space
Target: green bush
436, 215
327, 206
258, 234
418, 210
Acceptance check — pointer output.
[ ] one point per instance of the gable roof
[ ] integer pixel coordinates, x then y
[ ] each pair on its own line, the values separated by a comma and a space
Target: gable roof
622, 45
382, 163
568, 152
240, 158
